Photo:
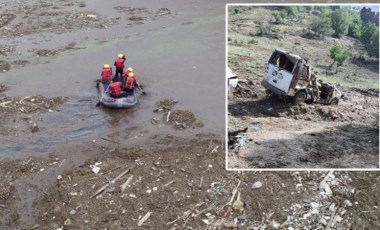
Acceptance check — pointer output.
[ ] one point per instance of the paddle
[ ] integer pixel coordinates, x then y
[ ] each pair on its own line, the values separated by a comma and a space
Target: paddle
98, 104
141, 90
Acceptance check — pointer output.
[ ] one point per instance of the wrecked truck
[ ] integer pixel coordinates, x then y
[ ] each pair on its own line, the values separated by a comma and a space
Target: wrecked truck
289, 75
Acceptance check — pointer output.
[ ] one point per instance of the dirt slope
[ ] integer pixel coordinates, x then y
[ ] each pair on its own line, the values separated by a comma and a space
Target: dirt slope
277, 134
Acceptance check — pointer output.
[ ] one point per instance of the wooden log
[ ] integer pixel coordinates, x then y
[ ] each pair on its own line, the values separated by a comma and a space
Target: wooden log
113, 181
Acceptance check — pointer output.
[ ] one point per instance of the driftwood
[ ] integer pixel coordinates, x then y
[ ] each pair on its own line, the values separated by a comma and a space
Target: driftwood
144, 219
187, 213
111, 182
34, 227
169, 183
5, 103
200, 184
124, 186
332, 217
233, 194
103, 138
167, 118
324, 186
61, 163
161, 109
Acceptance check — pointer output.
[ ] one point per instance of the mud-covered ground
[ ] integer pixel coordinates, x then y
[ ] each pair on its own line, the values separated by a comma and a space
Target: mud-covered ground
180, 183
277, 134
273, 133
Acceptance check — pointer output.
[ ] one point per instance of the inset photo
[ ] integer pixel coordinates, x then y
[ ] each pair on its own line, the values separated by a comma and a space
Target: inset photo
303, 86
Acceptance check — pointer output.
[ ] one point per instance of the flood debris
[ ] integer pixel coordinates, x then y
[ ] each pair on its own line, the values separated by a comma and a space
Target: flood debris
4, 66
167, 103
6, 50
3, 88
236, 138
178, 119
34, 128
257, 184
162, 12
145, 218
6, 18
29, 104
111, 182
222, 201
126, 183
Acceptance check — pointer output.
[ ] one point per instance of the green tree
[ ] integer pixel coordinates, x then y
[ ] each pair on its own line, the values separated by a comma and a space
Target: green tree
373, 49
324, 10
340, 20
338, 55
355, 26
370, 39
292, 11
322, 23
309, 8
277, 16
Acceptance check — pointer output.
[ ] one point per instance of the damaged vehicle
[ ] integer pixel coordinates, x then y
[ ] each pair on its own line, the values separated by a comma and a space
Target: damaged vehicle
289, 75
232, 78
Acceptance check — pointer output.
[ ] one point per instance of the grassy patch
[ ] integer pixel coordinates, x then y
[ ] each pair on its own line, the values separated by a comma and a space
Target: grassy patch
249, 58
241, 39
361, 83
242, 52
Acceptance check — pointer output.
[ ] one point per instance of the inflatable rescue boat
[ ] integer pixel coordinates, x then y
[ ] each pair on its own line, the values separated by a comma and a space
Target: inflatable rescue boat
106, 100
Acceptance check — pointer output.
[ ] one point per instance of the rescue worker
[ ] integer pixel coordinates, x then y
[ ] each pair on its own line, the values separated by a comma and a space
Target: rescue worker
119, 64
125, 75
106, 73
130, 84
115, 90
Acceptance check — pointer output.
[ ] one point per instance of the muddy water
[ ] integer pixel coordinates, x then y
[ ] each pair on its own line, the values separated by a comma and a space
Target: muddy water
180, 56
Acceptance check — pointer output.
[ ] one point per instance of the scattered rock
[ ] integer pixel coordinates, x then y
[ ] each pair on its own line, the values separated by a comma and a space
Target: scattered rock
35, 128
230, 224
167, 103
347, 203
73, 212
257, 184
136, 18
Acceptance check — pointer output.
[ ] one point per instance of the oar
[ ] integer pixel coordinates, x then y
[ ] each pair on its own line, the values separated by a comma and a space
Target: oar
141, 90
98, 104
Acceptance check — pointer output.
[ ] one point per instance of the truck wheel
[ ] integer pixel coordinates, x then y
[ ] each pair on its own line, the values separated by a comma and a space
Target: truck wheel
334, 101
268, 93
299, 97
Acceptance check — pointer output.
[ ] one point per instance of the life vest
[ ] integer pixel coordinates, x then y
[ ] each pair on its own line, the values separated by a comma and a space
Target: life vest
115, 89
130, 83
125, 74
119, 63
106, 74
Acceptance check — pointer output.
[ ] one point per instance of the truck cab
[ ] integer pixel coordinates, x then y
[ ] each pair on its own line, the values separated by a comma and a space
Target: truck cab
287, 74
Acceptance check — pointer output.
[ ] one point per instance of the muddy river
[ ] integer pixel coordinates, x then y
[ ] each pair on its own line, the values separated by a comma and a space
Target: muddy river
179, 56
